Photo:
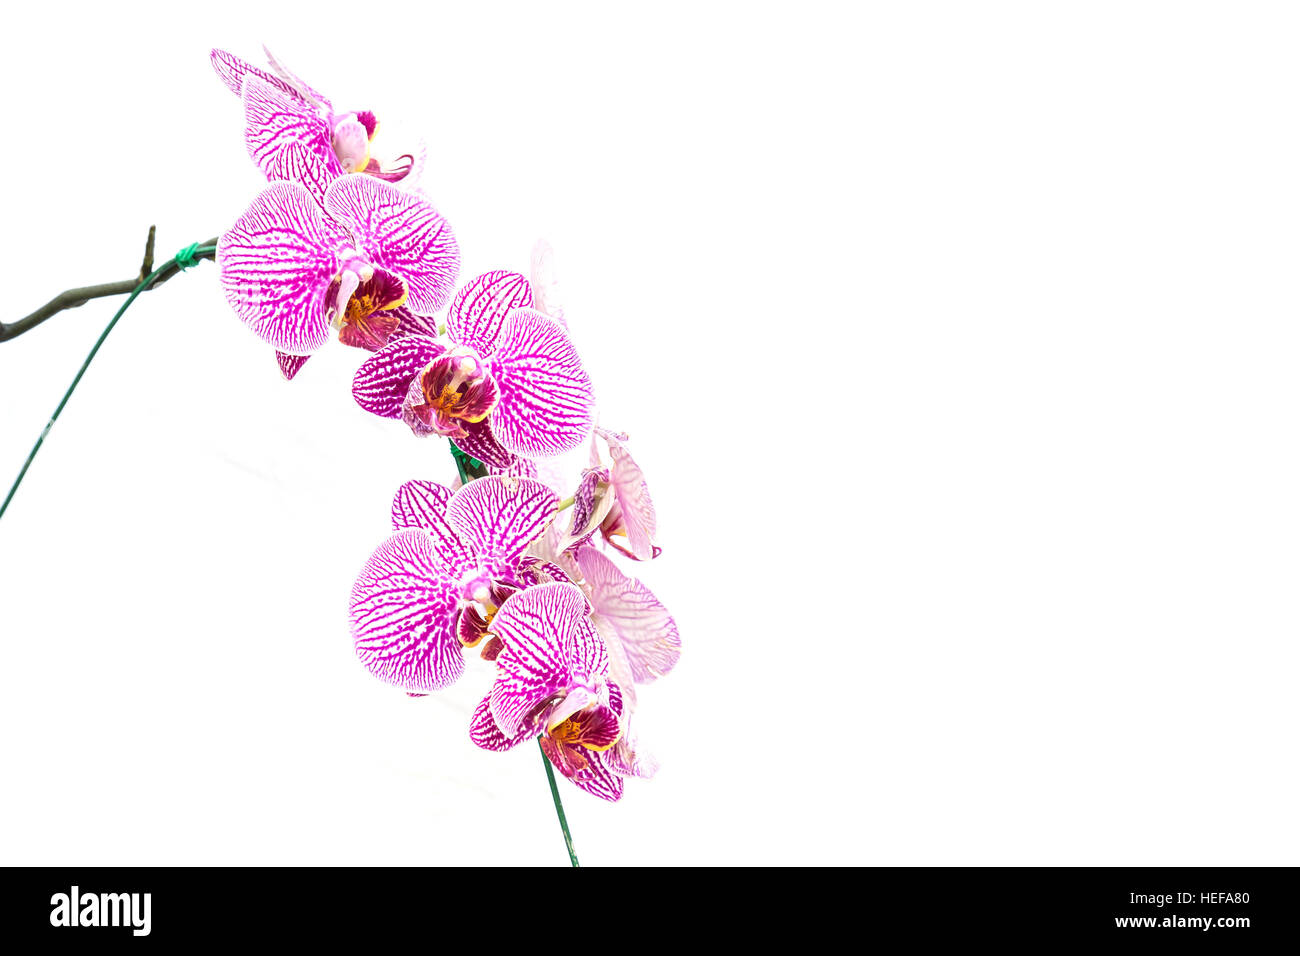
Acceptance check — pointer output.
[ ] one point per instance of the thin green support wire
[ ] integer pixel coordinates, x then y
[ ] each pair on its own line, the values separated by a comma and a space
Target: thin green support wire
559, 807
185, 259
467, 466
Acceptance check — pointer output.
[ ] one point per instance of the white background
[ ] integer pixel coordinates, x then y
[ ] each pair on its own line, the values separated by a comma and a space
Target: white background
958, 343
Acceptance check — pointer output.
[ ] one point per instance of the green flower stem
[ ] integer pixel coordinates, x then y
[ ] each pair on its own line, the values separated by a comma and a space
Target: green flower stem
559, 807
469, 469
184, 259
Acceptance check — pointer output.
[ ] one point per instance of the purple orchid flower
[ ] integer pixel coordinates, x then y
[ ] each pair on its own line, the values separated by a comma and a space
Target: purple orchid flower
373, 263
281, 111
432, 588
509, 385
553, 682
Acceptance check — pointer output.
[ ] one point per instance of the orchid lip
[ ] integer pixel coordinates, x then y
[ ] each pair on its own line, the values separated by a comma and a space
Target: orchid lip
351, 143
454, 389
364, 303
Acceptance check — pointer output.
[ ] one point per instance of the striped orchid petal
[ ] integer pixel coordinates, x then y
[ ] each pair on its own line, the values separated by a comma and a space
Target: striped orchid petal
597, 779
290, 365
592, 502
620, 668
584, 748
633, 498
381, 384
546, 399
295, 83
420, 504
535, 571
232, 71
477, 442
499, 516
413, 323
277, 263
423, 505
274, 120
403, 614
550, 650
518, 468
480, 308
628, 757
641, 627
295, 163
596, 725
484, 732
630, 760
402, 232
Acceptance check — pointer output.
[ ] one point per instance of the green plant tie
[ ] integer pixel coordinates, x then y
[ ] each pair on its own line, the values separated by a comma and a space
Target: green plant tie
185, 258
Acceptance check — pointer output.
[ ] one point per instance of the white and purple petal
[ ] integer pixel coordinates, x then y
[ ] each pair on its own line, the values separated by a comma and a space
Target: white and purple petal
620, 668
645, 631
546, 399
381, 384
290, 365
627, 757
296, 83
413, 323
478, 443
592, 502
518, 468
597, 779
633, 498
535, 571
232, 71
423, 505
277, 263
294, 163
420, 504
546, 654
403, 232
274, 121
500, 516
630, 759
403, 615
485, 733
480, 308
598, 727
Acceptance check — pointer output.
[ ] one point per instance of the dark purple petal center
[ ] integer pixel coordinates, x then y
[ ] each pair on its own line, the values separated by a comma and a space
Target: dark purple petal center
455, 389
370, 317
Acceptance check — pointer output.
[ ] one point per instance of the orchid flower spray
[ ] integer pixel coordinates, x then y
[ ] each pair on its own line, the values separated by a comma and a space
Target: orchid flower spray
337, 244
524, 565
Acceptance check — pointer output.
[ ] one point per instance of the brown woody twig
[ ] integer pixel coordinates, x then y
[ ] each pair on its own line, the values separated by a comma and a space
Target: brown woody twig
73, 298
